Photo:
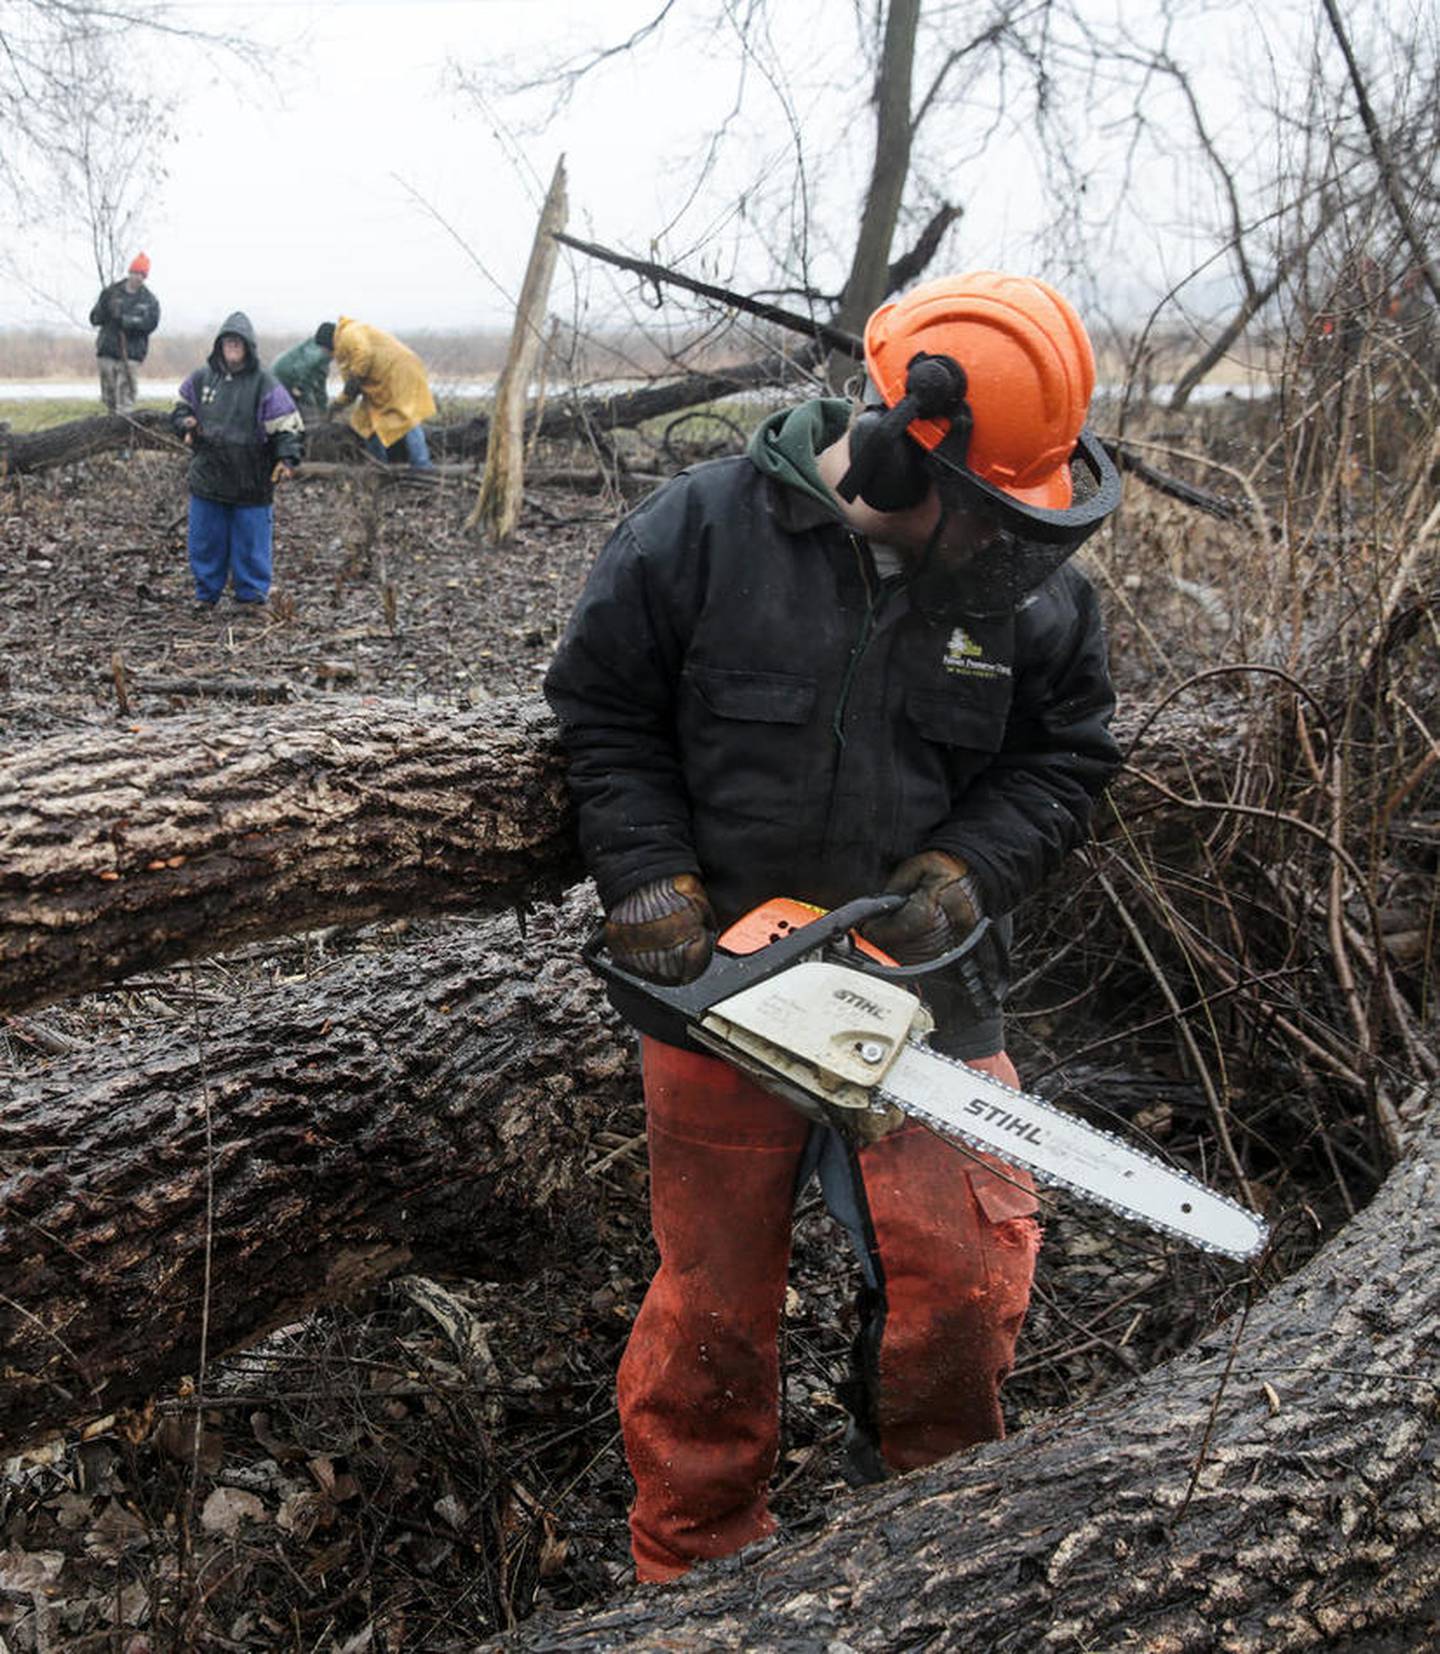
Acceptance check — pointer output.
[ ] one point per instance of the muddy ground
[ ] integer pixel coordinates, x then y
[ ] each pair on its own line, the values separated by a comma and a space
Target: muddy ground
422, 1469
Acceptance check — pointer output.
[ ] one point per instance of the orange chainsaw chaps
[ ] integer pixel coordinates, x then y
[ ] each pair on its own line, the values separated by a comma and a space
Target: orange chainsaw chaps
957, 1239
699, 1380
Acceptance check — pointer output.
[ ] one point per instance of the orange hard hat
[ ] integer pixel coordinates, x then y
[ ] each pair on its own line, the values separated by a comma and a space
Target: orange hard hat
1029, 373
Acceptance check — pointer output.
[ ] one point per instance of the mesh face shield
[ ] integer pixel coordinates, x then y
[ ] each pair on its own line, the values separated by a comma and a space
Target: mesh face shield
989, 550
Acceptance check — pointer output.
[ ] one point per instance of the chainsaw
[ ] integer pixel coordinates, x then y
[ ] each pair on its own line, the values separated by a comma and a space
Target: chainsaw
813, 1013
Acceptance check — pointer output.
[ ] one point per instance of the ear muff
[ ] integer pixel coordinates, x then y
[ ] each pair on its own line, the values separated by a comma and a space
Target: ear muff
890, 466
887, 466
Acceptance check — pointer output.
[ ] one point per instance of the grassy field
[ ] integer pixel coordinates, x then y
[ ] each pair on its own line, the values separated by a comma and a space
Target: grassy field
38, 413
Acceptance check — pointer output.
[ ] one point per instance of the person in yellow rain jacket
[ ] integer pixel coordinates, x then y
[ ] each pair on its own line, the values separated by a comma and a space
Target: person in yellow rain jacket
386, 383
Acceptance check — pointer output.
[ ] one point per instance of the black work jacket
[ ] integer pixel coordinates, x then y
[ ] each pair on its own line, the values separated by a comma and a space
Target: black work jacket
126, 320
742, 697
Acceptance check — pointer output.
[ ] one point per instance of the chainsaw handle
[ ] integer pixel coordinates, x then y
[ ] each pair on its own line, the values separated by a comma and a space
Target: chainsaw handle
726, 974
901, 973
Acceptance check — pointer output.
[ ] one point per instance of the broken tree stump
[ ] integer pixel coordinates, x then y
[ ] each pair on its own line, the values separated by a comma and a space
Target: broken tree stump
429, 1102
497, 505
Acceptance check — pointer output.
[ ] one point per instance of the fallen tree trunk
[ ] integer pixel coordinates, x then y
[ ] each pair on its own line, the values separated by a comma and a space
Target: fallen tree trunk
129, 849
580, 416
333, 448
124, 850
77, 439
1275, 1488
433, 1103
421, 1103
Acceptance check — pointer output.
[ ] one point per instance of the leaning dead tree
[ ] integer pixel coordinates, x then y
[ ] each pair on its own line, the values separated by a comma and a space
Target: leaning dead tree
497, 505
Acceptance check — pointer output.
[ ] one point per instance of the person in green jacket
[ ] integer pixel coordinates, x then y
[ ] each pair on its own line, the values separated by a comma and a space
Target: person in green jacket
303, 370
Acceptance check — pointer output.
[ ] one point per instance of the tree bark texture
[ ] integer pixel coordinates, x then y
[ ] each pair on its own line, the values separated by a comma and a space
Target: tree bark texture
497, 506
127, 849
1276, 1488
430, 1101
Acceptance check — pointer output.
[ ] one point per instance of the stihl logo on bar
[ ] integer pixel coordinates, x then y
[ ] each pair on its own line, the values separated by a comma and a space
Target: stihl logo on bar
848, 996
993, 1114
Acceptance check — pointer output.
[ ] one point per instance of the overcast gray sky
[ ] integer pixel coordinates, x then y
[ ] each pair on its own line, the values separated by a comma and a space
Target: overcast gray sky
350, 176
355, 180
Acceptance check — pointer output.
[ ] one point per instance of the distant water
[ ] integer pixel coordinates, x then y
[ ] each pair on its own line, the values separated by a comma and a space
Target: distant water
76, 390
163, 390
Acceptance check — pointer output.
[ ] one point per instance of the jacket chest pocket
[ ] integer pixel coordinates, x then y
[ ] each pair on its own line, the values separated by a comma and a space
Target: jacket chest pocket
745, 738
753, 697
972, 715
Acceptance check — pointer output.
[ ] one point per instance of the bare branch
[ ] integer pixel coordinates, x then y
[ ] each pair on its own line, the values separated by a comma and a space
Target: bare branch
1389, 176
835, 338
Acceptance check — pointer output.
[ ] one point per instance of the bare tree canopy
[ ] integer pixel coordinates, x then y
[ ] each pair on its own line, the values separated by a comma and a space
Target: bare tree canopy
85, 127
1157, 172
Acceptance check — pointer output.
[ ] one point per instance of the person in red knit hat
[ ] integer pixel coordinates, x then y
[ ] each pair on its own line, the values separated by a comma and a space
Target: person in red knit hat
126, 313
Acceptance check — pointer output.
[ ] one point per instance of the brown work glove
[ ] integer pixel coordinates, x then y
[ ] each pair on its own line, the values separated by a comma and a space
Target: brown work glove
281, 472
664, 931
942, 907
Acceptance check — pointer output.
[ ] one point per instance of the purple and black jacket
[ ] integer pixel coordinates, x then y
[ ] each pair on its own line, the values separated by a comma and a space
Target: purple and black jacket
248, 421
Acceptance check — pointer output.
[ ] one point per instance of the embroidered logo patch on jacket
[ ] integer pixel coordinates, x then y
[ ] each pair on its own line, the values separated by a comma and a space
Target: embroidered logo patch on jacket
966, 658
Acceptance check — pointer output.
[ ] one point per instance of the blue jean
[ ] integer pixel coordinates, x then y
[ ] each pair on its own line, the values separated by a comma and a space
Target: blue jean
417, 449
230, 542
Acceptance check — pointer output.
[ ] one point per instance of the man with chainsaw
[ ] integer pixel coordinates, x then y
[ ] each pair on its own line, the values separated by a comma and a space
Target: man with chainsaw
854, 660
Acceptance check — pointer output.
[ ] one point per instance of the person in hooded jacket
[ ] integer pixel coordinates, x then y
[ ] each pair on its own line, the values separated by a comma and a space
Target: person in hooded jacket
246, 436
303, 370
126, 313
854, 660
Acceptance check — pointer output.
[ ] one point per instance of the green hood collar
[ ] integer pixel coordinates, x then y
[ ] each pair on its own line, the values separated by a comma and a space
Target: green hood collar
785, 445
